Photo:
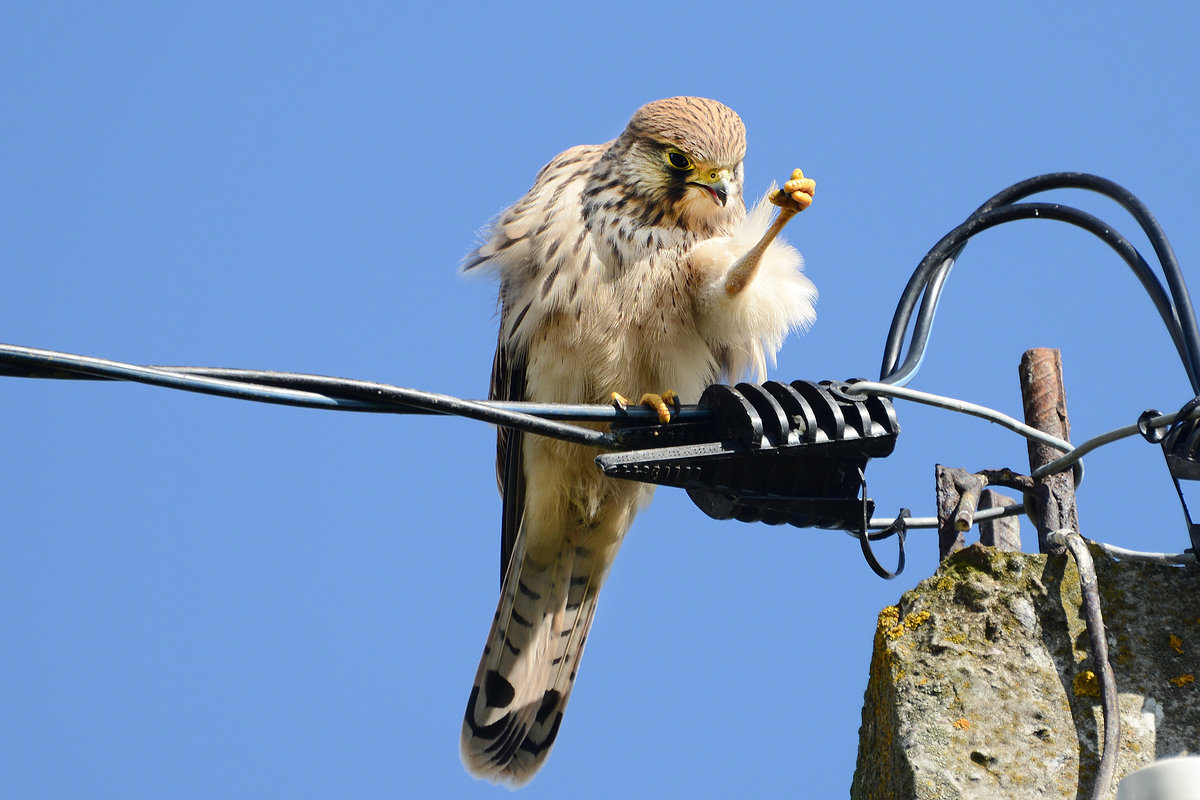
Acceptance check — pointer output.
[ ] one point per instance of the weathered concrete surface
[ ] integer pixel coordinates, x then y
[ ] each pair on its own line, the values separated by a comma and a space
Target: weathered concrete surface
981, 683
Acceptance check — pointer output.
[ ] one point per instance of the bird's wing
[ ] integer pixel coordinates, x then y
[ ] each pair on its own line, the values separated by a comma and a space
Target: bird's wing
540, 247
508, 383
542, 253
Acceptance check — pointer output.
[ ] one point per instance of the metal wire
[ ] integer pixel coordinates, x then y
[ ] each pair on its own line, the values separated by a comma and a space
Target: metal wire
883, 523
1072, 455
1172, 559
962, 407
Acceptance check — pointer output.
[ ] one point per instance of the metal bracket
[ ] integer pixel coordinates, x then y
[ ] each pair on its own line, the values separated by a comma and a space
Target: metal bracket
1181, 449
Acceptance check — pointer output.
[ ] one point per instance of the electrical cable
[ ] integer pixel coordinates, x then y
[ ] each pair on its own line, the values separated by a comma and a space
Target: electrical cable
1185, 313
1173, 559
318, 392
341, 394
1072, 454
1098, 648
883, 523
355, 395
929, 278
926, 281
1151, 421
962, 407
1075, 454
930, 300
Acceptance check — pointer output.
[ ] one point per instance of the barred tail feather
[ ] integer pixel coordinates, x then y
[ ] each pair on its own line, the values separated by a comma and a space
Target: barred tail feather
528, 667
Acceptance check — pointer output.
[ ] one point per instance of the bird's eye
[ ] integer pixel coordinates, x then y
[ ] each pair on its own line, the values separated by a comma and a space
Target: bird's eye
678, 160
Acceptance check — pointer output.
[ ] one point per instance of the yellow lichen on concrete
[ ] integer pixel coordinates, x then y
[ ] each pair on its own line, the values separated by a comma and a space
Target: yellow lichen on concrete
980, 686
913, 620
1086, 684
888, 617
892, 627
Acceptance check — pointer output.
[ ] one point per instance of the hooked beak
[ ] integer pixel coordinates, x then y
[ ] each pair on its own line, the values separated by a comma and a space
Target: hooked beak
716, 183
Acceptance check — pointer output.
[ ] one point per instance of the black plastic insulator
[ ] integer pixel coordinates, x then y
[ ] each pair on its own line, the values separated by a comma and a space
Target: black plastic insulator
780, 453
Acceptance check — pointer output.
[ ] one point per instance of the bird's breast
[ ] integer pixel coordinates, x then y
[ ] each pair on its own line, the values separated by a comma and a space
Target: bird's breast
640, 330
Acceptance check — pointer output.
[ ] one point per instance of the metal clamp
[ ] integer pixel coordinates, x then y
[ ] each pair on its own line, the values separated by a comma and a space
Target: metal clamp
780, 453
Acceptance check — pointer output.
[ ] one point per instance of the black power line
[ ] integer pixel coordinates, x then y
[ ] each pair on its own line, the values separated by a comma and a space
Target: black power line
927, 281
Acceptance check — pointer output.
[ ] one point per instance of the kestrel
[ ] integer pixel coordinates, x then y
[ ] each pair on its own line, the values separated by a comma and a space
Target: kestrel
630, 269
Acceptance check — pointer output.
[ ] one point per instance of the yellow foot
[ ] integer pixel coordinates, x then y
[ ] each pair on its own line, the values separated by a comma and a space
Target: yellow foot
797, 194
658, 402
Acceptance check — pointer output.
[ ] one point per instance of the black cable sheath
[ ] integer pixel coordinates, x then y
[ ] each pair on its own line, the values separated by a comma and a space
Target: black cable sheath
1179, 318
306, 391
1186, 314
942, 256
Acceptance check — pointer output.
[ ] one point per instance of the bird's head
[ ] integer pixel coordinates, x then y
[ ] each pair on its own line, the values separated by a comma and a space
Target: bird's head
684, 154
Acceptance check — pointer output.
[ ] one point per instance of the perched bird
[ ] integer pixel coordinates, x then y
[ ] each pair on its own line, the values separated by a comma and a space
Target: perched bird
629, 269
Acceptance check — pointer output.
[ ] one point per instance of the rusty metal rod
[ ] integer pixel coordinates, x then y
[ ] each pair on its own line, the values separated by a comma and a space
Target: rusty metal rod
1045, 404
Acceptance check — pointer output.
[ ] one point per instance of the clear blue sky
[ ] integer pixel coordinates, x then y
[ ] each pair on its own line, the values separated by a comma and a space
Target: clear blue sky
202, 597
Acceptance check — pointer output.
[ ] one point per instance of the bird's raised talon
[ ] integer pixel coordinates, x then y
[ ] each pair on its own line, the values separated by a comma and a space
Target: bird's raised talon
796, 194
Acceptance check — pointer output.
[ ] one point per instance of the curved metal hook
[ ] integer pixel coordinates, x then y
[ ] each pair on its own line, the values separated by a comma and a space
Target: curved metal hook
898, 527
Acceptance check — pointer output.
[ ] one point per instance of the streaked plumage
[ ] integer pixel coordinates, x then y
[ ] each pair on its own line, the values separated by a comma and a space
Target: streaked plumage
613, 272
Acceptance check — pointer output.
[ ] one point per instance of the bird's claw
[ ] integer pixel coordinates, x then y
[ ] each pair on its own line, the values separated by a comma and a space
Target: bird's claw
661, 403
796, 194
